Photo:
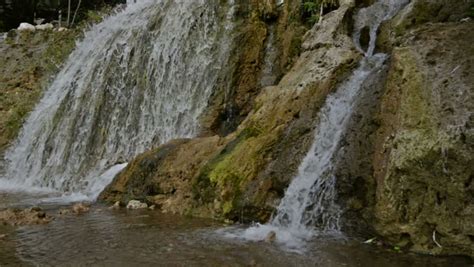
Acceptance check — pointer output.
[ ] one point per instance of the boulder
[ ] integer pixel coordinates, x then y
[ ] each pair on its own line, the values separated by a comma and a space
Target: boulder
44, 27
271, 237
26, 27
115, 206
135, 205
80, 208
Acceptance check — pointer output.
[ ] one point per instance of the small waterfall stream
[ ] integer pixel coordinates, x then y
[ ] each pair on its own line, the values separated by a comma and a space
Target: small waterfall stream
269, 74
309, 206
138, 79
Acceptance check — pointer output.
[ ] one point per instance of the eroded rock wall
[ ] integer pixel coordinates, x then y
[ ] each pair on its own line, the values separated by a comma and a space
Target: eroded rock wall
405, 172
244, 175
254, 21
424, 157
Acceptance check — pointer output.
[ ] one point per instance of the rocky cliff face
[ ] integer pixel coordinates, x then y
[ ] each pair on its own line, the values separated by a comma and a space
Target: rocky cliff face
423, 160
406, 169
242, 176
261, 26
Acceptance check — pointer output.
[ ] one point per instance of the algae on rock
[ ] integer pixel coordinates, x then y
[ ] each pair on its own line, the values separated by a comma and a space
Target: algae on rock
424, 156
28, 60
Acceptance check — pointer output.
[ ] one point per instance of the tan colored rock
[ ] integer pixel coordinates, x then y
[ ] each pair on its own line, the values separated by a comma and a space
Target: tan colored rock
80, 208
271, 237
424, 153
64, 211
115, 206
16, 217
136, 205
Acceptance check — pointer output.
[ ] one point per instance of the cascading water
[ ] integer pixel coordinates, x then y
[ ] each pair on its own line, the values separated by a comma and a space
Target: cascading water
309, 206
269, 74
371, 17
138, 79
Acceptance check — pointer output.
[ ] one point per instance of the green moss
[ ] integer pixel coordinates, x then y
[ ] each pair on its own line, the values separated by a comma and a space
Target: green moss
29, 62
227, 207
311, 9
220, 178
295, 46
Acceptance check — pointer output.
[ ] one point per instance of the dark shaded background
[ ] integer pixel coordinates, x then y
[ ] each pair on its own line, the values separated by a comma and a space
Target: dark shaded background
13, 12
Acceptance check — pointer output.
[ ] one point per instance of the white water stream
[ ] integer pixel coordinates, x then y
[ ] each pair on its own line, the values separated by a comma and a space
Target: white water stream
138, 79
309, 206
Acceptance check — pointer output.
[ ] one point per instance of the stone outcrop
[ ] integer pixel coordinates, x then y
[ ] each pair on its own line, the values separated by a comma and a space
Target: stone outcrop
28, 60
424, 153
233, 100
405, 172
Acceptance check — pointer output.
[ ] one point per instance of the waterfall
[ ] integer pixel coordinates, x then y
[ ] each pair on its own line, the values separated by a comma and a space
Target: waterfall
138, 79
309, 206
371, 17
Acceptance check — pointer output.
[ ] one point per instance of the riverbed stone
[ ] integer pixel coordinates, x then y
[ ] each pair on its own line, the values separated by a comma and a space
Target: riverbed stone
30, 216
80, 208
136, 205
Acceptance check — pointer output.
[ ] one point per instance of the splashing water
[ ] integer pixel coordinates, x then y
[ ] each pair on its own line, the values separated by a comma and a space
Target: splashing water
309, 206
138, 79
310, 200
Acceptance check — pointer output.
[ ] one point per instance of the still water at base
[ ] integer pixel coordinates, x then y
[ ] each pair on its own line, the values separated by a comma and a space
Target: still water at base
149, 238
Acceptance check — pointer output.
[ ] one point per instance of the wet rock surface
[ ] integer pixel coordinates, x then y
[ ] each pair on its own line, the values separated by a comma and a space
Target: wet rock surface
404, 171
136, 205
243, 175
424, 153
30, 216
405, 167
256, 22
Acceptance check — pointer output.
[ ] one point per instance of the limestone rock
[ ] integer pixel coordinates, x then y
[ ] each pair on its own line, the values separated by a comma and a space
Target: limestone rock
80, 208
16, 217
247, 171
115, 206
135, 205
44, 27
271, 237
26, 27
27, 62
424, 151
